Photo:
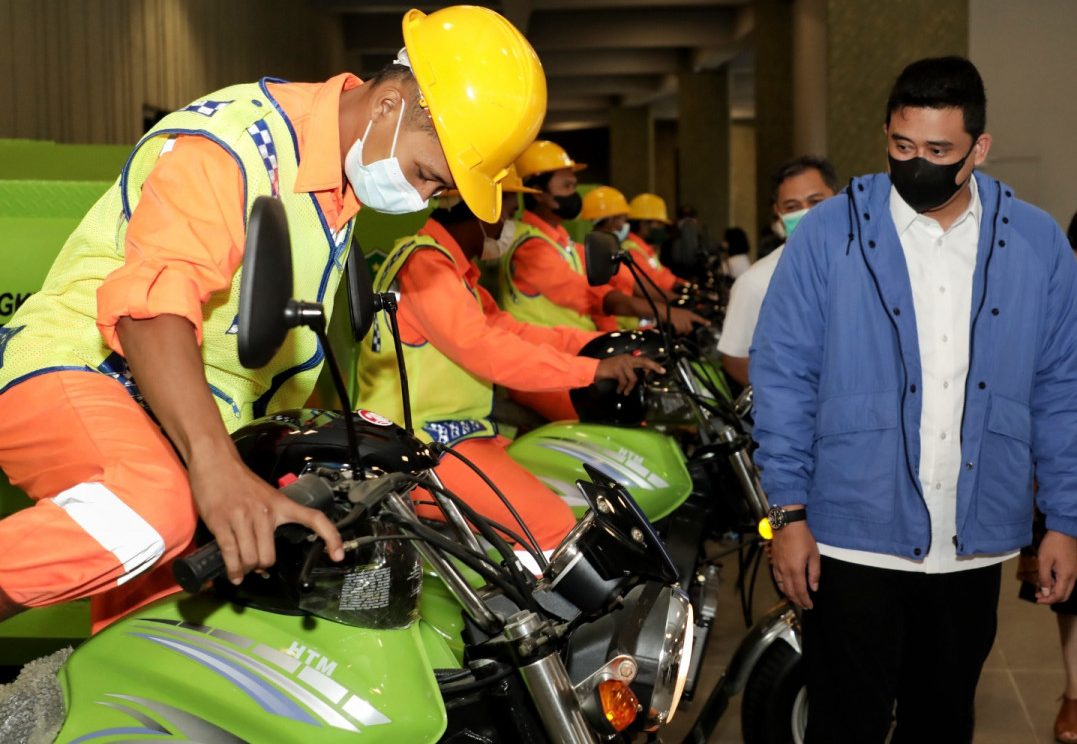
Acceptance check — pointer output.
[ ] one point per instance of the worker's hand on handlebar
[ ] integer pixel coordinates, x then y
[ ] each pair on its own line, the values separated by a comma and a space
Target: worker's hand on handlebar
622, 369
242, 512
685, 320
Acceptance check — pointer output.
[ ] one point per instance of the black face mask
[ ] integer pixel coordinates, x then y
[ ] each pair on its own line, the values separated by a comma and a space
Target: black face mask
568, 207
925, 185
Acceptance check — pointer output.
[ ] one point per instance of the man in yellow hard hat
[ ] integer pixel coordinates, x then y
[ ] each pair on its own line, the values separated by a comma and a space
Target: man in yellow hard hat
543, 276
458, 344
120, 380
648, 218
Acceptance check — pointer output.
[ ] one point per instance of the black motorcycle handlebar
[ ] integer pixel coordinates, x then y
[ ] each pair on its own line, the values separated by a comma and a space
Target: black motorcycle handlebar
206, 564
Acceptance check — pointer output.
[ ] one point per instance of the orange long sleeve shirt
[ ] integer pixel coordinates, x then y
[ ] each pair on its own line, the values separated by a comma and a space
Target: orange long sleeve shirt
185, 239
538, 269
437, 306
647, 259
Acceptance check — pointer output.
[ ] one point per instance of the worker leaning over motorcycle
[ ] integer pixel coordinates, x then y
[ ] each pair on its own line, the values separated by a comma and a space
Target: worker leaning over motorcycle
130, 349
457, 345
543, 276
647, 216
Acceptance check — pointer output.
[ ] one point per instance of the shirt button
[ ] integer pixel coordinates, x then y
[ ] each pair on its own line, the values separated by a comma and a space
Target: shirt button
945, 386
938, 486
917, 551
945, 338
969, 465
939, 242
942, 289
942, 436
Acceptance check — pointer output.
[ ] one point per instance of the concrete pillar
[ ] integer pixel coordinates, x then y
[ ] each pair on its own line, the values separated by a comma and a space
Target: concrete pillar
666, 181
704, 145
868, 44
631, 150
809, 77
773, 42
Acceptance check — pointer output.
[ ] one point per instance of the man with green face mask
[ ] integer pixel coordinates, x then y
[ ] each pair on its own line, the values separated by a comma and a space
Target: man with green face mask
799, 185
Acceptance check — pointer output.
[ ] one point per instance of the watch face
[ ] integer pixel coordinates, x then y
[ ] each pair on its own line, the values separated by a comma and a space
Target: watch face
776, 517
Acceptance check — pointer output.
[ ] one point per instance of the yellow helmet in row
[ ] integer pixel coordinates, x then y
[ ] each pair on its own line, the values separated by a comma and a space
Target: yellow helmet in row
543, 156
486, 92
648, 207
603, 202
512, 184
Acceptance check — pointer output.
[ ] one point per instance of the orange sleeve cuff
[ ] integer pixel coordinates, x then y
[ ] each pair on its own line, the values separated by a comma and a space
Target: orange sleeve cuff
143, 291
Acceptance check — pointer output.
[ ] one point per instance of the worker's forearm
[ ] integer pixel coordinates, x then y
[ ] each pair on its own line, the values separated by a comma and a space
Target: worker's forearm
736, 367
618, 303
167, 366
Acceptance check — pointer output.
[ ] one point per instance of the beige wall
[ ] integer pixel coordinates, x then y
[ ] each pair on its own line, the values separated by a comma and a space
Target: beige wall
868, 44
81, 70
703, 155
742, 179
1027, 56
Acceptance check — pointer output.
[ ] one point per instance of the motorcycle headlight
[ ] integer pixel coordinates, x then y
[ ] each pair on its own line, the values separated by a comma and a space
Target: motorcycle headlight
654, 629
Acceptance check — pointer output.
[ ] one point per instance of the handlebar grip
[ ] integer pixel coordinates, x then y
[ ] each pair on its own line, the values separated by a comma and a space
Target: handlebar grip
193, 571
206, 564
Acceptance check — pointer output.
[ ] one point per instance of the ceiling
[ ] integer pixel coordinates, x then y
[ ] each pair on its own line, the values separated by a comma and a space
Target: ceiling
598, 54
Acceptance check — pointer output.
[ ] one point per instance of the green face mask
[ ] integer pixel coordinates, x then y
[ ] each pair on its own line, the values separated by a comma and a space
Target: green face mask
790, 221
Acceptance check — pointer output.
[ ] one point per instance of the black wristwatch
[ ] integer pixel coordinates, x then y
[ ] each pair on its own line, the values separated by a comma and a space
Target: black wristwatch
777, 518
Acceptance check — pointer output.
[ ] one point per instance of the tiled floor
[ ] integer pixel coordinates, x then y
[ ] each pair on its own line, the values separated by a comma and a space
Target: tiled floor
1019, 691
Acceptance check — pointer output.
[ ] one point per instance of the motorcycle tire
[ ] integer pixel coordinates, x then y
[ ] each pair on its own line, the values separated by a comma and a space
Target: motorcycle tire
774, 709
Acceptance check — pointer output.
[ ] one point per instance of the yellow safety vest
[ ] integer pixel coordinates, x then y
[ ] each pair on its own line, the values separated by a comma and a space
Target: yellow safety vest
538, 309
56, 328
449, 404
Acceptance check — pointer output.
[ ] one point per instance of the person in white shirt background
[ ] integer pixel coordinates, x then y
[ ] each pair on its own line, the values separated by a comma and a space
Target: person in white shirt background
799, 184
735, 247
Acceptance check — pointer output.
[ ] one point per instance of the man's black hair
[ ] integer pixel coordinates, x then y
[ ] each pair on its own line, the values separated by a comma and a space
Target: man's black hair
1071, 233
802, 164
737, 240
415, 114
938, 83
456, 214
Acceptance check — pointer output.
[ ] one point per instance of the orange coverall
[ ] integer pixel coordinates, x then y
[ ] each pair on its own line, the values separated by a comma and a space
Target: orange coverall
435, 306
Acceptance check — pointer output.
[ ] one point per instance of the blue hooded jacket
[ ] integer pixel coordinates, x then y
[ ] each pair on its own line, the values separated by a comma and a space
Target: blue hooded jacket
835, 364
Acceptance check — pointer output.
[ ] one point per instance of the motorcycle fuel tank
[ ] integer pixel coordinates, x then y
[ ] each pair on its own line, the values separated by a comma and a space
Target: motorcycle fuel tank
649, 464
193, 668
286, 441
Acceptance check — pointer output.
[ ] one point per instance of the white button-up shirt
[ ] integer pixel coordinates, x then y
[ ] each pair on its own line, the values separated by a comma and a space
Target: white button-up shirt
941, 265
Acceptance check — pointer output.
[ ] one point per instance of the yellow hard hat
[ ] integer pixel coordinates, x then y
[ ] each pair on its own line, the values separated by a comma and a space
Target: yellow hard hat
512, 184
602, 202
648, 207
543, 156
484, 87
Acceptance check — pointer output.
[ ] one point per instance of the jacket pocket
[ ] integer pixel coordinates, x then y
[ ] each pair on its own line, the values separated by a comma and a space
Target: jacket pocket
856, 453
1004, 488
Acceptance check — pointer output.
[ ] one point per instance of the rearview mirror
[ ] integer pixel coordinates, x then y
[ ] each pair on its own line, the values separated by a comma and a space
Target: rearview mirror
360, 293
599, 249
265, 286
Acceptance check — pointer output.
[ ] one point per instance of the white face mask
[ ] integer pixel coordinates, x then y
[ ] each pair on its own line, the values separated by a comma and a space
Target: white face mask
494, 249
381, 185
622, 232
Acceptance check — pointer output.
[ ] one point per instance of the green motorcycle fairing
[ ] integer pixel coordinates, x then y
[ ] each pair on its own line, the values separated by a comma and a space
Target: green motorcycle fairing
649, 464
197, 668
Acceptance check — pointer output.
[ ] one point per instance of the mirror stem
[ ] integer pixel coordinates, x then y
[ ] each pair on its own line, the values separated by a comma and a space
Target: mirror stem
387, 302
663, 328
318, 326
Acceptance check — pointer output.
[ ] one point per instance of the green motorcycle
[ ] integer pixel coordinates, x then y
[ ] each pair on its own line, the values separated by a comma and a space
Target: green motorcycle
423, 633
682, 450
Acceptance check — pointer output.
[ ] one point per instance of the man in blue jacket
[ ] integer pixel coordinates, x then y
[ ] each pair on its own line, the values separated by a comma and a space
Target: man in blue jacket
915, 367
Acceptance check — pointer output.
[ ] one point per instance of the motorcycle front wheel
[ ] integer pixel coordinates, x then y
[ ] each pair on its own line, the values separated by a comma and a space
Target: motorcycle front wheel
774, 709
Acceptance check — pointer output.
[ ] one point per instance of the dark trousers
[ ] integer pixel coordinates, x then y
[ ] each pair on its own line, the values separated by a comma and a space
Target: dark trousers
877, 637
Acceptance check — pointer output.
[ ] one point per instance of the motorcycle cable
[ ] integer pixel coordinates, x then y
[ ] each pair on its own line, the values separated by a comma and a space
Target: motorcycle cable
537, 552
522, 580
496, 525
656, 288
482, 565
663, 328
